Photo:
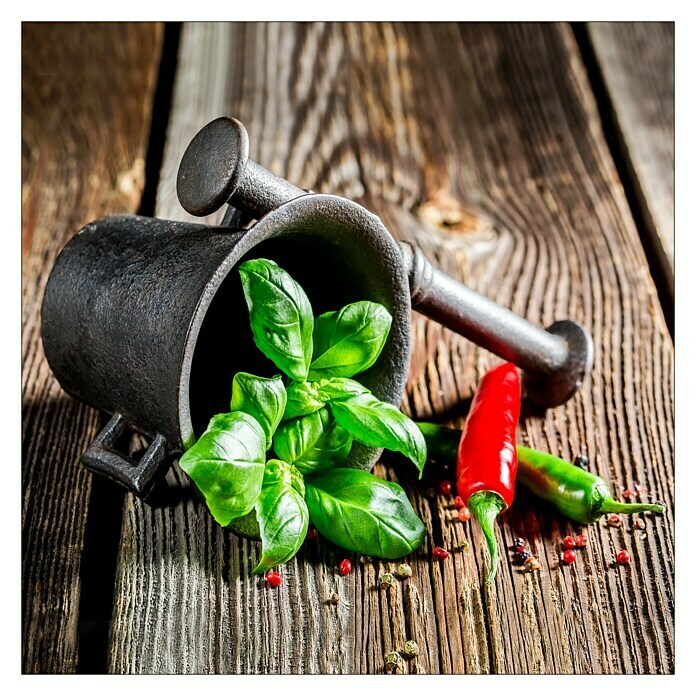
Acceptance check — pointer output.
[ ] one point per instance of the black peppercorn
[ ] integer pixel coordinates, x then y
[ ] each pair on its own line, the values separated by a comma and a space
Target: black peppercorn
582, 461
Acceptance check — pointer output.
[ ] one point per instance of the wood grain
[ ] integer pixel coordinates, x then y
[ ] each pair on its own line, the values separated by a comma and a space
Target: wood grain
86, 98
636, 60
483, 143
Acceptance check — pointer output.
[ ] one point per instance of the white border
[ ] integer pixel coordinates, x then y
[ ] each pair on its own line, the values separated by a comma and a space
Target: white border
502, 10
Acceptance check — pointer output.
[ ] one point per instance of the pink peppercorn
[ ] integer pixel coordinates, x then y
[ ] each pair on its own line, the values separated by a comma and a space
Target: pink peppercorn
569, 556
569, 543
623, 557
445, 487
274, 578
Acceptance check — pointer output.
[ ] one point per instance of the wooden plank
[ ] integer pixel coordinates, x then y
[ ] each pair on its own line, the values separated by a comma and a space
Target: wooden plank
636, 60
482, 143
86, 97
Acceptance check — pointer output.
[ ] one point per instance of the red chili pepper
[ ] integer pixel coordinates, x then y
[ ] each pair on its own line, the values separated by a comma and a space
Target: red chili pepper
487, 458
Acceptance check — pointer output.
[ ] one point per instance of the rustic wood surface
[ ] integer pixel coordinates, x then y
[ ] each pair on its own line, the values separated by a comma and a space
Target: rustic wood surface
86, 99
637, 64
484, 144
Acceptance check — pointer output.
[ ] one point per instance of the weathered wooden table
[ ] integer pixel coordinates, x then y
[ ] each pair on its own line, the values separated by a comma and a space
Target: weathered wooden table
535, 162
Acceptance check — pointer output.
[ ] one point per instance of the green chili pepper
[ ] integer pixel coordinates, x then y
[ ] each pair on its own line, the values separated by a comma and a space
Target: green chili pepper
578, 494
442, 442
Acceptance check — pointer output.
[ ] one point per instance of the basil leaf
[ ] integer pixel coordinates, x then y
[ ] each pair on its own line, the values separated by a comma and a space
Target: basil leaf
303, 399
350, 340
363, 513
378, 424
280, 315
262, 398
280, 472
296, 436
283, 518
330, 450
339, 388
227, 464
307, 397
222, 421
312, 442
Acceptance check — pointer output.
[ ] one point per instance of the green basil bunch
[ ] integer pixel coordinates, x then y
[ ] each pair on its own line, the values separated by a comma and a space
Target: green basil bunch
309, 424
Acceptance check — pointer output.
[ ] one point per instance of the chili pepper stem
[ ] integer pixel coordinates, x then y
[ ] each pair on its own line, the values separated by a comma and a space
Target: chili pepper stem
486, 506
609, 505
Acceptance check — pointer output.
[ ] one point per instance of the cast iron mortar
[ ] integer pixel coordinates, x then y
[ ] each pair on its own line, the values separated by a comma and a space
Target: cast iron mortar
142, 317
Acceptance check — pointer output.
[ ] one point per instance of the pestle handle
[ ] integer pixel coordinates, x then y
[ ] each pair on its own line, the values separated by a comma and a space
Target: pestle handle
216, 169
555, 360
